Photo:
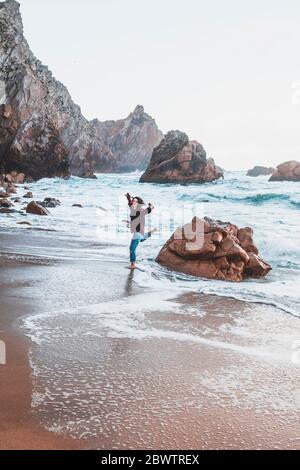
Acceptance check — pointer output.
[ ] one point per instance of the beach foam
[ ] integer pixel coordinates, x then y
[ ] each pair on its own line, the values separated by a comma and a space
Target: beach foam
272, 209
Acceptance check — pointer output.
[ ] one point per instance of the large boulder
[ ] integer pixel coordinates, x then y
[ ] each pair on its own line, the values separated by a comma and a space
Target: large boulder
260, 171
178, 160
213, 249
287, 171
131, 140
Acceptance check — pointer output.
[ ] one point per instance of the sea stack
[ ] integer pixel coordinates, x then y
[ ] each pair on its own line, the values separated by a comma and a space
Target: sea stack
215, 250
178, 160
287, 171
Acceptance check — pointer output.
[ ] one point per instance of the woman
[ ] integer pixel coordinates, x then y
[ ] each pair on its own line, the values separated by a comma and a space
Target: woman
138, 212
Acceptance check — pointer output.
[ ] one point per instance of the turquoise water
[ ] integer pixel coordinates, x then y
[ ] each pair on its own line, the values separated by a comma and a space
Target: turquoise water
271, 208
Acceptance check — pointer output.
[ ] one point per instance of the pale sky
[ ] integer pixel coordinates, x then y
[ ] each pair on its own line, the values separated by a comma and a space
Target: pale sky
222, 71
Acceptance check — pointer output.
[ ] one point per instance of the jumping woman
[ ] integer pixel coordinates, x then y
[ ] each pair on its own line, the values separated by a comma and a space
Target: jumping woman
138, 212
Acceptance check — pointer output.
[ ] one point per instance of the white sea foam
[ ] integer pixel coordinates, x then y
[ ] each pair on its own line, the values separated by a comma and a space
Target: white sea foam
96, 371
270, 208
131, 318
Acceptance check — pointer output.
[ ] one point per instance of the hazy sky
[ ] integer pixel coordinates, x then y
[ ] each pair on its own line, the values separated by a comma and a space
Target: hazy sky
222, 71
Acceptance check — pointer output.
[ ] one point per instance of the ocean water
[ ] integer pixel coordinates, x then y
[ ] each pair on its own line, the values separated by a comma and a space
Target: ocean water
271, 208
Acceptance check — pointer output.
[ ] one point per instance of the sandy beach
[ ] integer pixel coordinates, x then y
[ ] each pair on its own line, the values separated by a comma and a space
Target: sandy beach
89, 368
19, 429
149, 226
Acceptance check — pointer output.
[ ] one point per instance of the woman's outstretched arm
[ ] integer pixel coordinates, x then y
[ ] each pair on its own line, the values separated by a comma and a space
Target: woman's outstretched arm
148, 209
129, 199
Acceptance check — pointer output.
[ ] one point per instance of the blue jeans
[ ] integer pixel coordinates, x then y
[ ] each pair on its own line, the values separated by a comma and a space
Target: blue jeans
136, 239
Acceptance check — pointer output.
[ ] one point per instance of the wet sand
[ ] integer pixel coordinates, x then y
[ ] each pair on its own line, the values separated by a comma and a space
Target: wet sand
18, 427
197, 372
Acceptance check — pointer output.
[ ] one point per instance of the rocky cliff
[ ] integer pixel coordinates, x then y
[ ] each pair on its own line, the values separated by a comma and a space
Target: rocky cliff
43, 132
178, 160
131, 140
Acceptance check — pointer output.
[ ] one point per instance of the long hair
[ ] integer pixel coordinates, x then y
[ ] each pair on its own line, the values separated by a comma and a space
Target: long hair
139, 200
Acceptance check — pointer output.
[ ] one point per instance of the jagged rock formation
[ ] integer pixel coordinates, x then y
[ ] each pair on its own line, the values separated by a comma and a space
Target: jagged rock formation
287, 171
178, 160
131, 140
213, 249
42, 131
260, 171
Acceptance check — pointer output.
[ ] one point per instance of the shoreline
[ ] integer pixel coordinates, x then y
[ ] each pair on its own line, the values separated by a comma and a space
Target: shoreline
190, 371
